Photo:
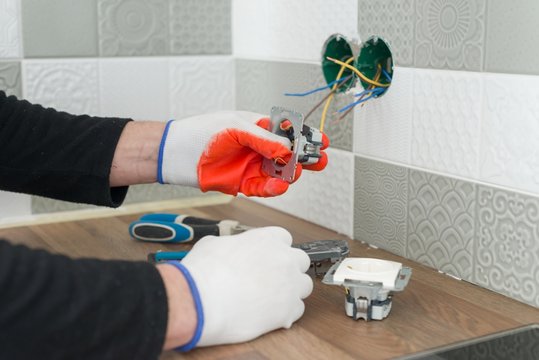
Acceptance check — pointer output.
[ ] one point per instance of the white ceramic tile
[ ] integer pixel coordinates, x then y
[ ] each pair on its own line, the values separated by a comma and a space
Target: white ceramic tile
66, 85
200, 85
383, 125
10, 38
510, 129
14, 205
136, 88
325, 198
446, 121
290, 29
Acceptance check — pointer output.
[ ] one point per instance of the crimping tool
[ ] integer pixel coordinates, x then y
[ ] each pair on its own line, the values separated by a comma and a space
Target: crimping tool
174, 228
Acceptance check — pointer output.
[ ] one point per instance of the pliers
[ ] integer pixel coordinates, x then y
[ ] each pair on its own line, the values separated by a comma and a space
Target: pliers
174, 228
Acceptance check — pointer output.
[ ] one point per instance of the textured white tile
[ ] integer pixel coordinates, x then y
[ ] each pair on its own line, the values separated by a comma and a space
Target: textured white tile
14, 205
510, 129
290, 29
325, 198
383, 125
446, 121
66, 85
10, 38
135, 88
200, 85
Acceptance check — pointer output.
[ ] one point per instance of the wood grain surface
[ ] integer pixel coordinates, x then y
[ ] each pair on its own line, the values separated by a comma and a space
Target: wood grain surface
433, 310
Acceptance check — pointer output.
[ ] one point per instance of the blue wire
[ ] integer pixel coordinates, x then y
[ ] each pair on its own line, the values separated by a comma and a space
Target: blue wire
356, 103
376, 91
317, 89
386, 74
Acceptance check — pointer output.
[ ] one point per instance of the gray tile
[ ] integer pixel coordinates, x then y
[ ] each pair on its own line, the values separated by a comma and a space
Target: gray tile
512, 37
380, 208
200, 27
136, 27
281, 77
507, 244
10, 77
59, 28
392, 20
450, 34
136, 194
441, 214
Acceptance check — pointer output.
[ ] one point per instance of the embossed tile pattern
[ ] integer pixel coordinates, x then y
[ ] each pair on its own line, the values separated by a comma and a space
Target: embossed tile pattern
383, 126
441, 214
10, 39
510, 129
394, 22
281, 77
200, 85
200, 27
446, 121
325, 198
507, 249
10, 78
512, 37
59, 28
66, 85
380, 204
450, 34
134, 27
264, 29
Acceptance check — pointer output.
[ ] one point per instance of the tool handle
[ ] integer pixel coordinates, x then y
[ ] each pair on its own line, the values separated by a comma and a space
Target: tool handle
161, 231
179, 219
166, 255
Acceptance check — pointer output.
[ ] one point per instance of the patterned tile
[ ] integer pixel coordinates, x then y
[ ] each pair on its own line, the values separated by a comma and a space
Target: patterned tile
510, 129
325, 198
14, 205
380, 204
441, 214
133, 27
136, 88
282, 77
394, 22
200, 27
446, 121
66, 85
264, 30
507, 249
59, 28
192, 79
450, 34
10, 39
136, 194
10, 78
512, 37
383, 126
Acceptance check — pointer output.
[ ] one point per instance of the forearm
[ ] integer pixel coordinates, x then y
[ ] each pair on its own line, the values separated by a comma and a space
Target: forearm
135, 157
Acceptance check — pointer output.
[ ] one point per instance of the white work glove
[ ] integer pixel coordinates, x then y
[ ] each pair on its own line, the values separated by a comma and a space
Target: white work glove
224, 152
248, 284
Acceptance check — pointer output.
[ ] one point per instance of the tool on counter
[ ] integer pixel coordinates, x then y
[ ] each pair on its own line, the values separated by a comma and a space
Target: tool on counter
368, 284
323, 254
161, 256
174, 228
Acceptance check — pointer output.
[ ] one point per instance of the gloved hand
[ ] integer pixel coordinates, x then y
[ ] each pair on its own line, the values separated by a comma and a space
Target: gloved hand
245, 285
224, 152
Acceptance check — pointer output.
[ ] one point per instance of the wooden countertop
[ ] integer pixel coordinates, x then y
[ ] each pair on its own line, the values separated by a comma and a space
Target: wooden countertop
433, 310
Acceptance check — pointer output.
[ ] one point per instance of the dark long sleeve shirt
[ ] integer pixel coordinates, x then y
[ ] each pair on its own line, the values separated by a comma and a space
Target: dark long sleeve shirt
51, 306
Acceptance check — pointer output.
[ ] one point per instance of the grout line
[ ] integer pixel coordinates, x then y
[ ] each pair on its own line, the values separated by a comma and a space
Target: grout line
75, 215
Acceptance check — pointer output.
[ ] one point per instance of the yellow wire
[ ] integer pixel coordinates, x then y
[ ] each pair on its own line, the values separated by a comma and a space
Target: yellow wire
330, 98
359, 73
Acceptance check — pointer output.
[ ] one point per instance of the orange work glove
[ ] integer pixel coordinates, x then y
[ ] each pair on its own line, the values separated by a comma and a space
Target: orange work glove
224, 152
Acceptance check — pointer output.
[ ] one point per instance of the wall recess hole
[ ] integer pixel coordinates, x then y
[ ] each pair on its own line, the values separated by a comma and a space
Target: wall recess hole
375, 53
338, 47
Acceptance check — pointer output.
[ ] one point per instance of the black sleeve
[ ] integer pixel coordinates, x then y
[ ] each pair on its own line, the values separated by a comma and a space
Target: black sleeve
54, 307
58, 155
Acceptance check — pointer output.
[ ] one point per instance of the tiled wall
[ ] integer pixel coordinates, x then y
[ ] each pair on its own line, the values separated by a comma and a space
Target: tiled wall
80, 56
445, 165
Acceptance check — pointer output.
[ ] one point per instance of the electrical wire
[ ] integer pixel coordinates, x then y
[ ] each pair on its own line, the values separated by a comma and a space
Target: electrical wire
358, 73
330, 98
326, 97
317, 89
386, 74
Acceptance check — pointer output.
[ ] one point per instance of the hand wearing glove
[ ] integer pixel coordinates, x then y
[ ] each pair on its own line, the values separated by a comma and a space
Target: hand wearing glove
224, 152
245, 285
